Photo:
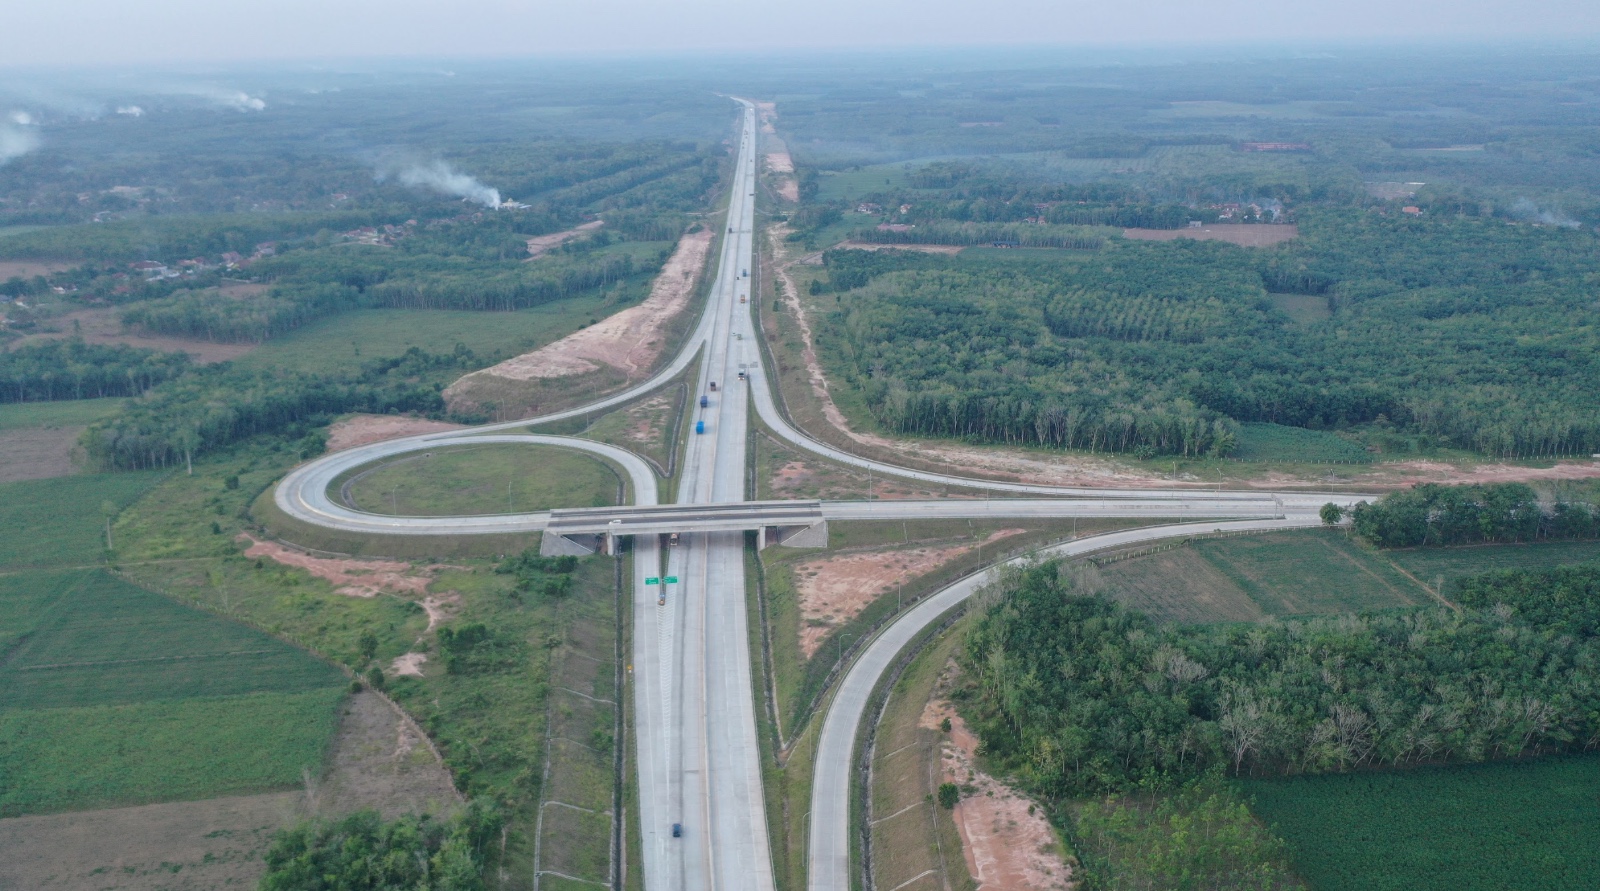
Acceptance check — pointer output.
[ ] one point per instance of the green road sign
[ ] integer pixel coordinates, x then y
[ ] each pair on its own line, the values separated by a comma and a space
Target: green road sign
672, 580
652, 580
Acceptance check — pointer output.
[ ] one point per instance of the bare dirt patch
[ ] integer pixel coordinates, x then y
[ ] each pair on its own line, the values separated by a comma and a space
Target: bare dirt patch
409, 665
353, 578
379, 760
1412, 472
359, 430
835, 589
546, 243
104, 326
1242, 234
37, 453
946, 249
630, 340
1005, 836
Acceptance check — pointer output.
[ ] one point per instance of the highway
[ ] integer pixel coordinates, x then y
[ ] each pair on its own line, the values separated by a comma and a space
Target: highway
697, 750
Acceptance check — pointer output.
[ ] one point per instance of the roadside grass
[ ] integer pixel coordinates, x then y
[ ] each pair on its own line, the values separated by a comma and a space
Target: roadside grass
576, 803
912, 836
647, 427
1448, 564
1246, 578
1518, 824
486, 479
64, 413
60, 521
76, 758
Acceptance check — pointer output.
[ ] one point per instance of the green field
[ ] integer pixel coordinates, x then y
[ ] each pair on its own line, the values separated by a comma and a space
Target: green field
1251, 577
60, 521
488, 479
1430, 564
168, 750
341, 343
66, 413
1531, 824
1277, 443
112, 695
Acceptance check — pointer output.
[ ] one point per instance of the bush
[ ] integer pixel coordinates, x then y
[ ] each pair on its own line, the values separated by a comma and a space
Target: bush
949, 795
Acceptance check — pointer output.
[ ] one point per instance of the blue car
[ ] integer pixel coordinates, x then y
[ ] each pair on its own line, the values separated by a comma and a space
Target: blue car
677, 830
699, 426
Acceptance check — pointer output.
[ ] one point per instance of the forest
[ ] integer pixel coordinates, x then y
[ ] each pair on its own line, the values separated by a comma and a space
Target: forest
1076, 695
1441, 328
1432, 515
72, 369
214, 406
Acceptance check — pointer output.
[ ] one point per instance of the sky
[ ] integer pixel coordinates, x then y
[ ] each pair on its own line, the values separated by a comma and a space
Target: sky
78, 33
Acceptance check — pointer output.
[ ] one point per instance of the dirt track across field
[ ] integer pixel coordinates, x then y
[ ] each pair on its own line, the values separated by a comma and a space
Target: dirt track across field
546, 243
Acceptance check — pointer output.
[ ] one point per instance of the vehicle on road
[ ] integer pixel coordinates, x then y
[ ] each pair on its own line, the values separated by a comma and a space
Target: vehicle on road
672, 540
713, 387
677, 830
705, 402
743, 376
699, 426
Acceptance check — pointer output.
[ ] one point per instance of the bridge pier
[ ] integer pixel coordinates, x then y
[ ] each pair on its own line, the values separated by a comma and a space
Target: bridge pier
554, 544
814, 535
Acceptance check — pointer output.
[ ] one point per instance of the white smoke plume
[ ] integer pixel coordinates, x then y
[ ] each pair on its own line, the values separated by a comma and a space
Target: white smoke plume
16, 142
440, 177
22, 118
130, 110
1525, 209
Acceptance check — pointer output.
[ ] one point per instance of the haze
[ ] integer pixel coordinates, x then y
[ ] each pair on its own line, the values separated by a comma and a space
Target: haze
99, 32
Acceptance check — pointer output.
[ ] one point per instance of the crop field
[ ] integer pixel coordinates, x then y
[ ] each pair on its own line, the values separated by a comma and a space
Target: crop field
488, 479
1430, 564
65, 413
112, 695
78, 758
341, 343
1490, 826
1277, 443
1249, 577
53, 522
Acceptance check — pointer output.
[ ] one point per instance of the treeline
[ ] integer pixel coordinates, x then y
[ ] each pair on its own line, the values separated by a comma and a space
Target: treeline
1076, 695
1433, 515
1083, 238
1468, 334
72, 369
215, 406
206, 315
173, 238
315, 284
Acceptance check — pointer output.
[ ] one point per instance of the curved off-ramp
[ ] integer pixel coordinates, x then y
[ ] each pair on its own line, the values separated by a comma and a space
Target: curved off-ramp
828, 851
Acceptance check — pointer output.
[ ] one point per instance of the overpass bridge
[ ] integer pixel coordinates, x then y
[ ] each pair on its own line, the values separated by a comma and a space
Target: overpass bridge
804, 524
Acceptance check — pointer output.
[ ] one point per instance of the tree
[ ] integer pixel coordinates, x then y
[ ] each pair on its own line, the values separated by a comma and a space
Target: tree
1332, 514
949, 795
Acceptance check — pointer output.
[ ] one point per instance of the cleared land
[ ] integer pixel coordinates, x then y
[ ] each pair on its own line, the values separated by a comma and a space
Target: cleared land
1248, 578
1243, 234
1508, 825
105, 326
38, 439
490, 479
357, 430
